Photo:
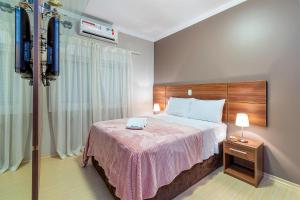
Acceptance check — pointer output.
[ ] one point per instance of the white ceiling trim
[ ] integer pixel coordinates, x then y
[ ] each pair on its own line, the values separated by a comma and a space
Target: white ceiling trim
199, 19
134, 34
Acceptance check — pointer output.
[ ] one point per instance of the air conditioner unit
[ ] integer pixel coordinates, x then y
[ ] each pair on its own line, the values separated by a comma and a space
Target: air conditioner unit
98, 31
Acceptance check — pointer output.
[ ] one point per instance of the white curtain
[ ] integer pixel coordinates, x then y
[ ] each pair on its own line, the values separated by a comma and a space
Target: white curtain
94, 84
15, 101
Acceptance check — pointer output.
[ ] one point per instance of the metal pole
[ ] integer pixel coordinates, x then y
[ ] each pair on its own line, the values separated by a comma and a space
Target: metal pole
36, 126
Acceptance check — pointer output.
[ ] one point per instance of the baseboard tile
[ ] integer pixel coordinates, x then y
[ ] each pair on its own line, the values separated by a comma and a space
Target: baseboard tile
282, 181
55, 155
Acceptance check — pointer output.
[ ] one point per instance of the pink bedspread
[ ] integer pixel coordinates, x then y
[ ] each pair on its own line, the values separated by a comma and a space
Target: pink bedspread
138, 162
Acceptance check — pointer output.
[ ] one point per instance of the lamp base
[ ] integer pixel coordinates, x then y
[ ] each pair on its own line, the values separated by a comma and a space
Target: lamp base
242, 140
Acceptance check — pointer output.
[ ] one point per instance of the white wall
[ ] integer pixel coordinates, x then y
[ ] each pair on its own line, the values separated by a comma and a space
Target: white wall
143, 76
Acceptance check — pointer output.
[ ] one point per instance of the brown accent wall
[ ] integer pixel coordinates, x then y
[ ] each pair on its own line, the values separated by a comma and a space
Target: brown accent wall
256, 40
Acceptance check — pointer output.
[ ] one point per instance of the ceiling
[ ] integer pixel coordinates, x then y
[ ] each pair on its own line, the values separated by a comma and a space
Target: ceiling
155, 19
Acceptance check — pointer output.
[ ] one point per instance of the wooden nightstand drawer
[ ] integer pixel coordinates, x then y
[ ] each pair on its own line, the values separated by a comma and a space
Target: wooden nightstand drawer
235, 150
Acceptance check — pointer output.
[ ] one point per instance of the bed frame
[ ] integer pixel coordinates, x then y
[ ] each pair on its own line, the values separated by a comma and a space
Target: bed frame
248, 97
181, 183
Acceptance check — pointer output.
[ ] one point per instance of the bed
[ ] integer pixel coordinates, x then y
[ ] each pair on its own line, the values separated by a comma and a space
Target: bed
181, 183
173, 152
137, 163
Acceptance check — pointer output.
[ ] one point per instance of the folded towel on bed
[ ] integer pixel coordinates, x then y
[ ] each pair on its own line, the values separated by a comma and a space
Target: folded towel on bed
136, 123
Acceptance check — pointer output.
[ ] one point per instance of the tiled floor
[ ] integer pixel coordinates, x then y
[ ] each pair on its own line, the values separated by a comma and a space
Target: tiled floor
66, 180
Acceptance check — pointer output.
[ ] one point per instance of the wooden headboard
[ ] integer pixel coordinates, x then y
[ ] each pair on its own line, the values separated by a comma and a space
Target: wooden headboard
247, 97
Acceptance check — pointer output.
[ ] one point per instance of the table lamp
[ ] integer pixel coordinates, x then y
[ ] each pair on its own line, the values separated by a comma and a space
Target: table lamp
156, 108
242, 120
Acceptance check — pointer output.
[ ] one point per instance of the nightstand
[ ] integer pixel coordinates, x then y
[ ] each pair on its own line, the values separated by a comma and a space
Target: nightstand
244, 160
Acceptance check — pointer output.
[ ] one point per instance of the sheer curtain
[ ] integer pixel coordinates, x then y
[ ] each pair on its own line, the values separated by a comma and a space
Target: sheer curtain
15, 100
94, 84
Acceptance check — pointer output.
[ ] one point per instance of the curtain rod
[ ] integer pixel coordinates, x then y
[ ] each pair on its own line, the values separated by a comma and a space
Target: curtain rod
135, 52
106, 44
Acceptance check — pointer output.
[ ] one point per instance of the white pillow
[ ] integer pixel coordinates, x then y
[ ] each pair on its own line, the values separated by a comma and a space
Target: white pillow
178, 106
207, 110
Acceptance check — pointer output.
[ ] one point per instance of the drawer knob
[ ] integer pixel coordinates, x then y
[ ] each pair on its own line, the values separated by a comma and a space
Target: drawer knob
238, 151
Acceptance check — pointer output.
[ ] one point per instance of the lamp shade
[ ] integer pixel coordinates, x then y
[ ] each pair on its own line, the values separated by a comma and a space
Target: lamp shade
242, 120
156, 107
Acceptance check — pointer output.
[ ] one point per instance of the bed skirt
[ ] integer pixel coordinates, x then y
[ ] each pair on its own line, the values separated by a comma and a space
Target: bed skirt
181, 183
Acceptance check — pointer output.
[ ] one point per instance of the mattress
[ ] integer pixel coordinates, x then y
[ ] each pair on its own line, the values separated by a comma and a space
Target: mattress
213, 133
